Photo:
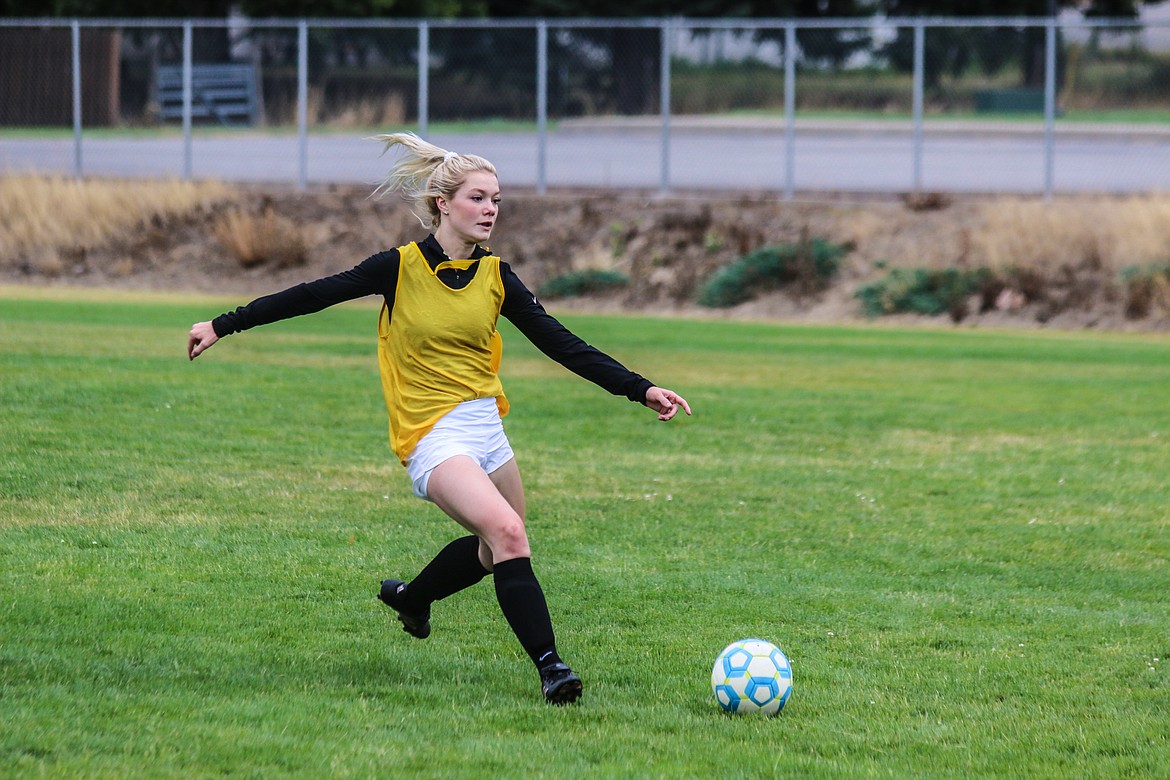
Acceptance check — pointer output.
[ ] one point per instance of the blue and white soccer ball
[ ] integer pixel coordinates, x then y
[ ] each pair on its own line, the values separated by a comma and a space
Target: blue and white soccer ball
752, 675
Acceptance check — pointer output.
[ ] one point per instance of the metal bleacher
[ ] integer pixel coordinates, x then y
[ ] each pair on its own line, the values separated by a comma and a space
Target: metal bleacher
223, 93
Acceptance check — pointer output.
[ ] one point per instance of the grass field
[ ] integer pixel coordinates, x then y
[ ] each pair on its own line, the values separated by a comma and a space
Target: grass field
960, 539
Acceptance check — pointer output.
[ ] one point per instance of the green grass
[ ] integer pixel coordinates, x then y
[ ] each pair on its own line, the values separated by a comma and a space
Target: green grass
172, 130
1118, 117
960, 539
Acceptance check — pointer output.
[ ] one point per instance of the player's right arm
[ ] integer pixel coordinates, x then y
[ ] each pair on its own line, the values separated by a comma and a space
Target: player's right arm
378, 274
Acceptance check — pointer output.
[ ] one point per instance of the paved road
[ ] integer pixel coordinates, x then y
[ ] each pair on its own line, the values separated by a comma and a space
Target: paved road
703, 156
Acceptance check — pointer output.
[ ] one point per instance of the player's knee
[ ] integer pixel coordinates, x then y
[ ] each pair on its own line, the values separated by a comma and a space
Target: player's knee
510, 539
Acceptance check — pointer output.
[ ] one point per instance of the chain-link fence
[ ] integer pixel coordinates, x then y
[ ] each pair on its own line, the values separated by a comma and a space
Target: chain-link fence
671, 105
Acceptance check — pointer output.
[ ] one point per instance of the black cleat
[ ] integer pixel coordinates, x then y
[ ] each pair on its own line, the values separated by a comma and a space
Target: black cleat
417, 624
559, 684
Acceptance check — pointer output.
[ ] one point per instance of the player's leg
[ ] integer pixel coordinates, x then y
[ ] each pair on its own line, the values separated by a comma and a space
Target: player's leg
467, 494
463, 562
472, 429
491, 506
507, 480
456, 567
459, 565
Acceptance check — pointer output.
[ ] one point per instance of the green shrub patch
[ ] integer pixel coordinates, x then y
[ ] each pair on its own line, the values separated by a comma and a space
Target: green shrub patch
923, 291
587, 282
806, 266
1146, 289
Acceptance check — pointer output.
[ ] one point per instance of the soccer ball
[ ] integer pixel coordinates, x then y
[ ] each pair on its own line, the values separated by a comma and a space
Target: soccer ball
752, 675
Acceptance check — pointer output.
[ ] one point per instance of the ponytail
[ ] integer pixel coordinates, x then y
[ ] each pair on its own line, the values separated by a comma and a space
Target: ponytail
424, 172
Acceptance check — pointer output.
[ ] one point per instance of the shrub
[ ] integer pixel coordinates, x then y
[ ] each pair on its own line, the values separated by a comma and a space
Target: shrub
809, 265
587, 282
1147, 290
923, 291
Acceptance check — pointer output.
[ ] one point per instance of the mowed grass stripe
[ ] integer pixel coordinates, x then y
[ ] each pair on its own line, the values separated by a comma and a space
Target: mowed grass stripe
958, 537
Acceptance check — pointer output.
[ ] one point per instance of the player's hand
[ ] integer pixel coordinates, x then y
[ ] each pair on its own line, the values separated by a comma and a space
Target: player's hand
201, 337
666, 402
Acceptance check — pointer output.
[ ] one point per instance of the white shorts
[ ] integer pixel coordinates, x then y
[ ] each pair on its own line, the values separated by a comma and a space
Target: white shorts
474, 429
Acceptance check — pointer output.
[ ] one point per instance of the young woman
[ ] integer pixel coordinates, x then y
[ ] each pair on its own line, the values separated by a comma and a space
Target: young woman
439, 354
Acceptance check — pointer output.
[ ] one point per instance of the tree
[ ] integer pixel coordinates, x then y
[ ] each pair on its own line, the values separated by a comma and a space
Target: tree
826, 46
624, 62
64, 9
634, 53
557, 9
1114, 9
953, 50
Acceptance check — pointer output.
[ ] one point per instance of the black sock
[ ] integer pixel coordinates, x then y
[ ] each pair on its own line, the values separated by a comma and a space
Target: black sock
522, 602
456, 567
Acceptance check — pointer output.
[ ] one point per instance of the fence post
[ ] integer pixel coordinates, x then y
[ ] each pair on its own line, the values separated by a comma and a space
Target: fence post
424, 57
76, 75
541, 106
303, 103
188, 98
789, 110
1049, 107
919, 71
664, 102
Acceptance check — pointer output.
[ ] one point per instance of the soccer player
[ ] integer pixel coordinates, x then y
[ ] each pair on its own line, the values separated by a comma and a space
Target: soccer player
439, 354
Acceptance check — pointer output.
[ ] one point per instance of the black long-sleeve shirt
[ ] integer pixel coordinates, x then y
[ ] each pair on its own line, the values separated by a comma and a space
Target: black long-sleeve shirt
378, 275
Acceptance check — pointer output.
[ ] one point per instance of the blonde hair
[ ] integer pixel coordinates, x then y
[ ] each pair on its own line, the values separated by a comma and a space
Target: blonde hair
425, 172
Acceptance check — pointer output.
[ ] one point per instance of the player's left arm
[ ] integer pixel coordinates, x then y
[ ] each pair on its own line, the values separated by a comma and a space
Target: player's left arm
556, 341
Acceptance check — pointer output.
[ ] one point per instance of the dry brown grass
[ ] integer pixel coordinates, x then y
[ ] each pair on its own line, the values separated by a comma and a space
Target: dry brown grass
42, 215
1113, 232
1014, 233
266, 237
1070, 254
1147, 291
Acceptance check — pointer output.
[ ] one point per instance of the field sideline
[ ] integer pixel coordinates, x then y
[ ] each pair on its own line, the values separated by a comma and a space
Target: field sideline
959, 537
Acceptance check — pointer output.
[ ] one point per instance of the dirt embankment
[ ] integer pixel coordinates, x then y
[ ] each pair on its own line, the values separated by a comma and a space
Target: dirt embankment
1064, 262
